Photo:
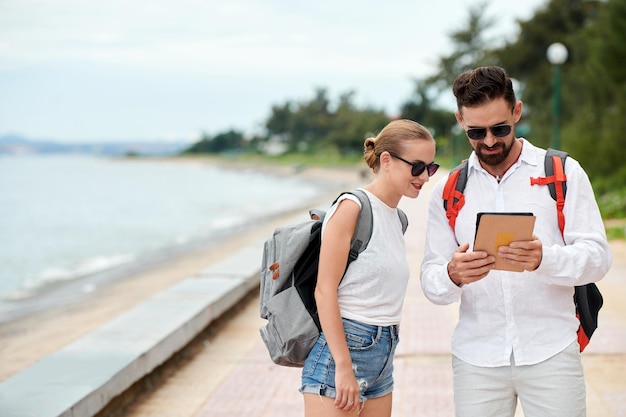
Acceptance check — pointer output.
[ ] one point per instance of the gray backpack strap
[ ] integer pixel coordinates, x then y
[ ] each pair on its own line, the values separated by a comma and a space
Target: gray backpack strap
403, 219
549, 167
364, 225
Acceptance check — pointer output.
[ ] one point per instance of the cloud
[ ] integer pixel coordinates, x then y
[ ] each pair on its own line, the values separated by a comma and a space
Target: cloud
81, 69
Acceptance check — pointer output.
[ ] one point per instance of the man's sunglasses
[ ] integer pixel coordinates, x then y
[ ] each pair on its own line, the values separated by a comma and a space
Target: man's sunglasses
479, 133
418, 167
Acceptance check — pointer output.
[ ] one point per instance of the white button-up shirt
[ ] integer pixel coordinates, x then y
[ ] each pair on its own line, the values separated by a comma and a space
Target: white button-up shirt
530, 314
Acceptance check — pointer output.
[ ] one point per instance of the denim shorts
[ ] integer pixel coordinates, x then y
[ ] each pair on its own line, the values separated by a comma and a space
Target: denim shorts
371, 348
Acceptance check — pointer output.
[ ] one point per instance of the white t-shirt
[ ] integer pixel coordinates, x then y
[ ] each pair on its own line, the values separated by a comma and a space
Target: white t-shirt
373, 287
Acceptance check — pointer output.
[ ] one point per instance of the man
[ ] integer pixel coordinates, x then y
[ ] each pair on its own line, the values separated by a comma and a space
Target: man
516, 335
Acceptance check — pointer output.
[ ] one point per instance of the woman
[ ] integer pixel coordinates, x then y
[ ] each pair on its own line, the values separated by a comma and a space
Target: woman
349, 370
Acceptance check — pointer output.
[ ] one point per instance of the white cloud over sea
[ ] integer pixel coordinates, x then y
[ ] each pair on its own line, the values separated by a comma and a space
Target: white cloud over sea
78, 70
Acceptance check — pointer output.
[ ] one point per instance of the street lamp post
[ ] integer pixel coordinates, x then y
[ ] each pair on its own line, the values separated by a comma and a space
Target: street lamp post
557, 55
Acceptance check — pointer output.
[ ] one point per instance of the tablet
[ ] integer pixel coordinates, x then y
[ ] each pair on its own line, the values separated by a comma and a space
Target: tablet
500, 229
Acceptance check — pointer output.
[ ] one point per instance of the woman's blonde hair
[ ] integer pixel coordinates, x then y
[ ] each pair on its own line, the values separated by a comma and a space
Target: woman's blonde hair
392, 139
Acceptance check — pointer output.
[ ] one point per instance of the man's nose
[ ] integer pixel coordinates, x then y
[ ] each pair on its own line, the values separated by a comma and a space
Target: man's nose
490, 139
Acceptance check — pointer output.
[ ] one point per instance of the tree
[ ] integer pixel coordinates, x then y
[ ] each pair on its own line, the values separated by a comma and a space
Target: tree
598, 91
470, 49
228, 141
525, 59
317, 125
422, 108
300, 125
351, 126
593, 85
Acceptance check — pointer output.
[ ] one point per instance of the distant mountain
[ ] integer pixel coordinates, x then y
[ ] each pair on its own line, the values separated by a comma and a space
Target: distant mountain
18, 145
12, 139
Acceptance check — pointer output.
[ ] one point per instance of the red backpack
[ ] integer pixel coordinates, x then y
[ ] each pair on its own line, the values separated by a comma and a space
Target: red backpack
587, 298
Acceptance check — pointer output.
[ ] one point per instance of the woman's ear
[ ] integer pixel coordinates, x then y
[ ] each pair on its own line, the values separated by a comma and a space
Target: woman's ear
385, 159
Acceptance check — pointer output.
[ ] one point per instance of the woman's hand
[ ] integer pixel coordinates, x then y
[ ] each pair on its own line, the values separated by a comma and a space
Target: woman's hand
347, 388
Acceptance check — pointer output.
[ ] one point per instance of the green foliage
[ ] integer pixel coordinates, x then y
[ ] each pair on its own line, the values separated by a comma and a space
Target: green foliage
525, 59
616, 231
223, 142
422, 108
593, 81
352, 126
613, 233
613, 204
299, 125
593, 98
471, 48
302, 159
599, 81
318, 126
593, 88
612, 193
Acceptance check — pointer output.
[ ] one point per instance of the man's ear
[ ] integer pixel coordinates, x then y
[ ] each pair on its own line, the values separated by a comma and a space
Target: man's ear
459, 118
517, 111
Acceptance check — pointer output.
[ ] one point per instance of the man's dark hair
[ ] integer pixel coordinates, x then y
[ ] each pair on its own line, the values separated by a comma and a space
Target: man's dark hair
483, 85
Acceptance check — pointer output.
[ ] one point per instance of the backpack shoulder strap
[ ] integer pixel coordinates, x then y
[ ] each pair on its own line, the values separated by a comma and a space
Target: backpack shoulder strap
364, 225
554, 165
556, 181
403, 219
453, 198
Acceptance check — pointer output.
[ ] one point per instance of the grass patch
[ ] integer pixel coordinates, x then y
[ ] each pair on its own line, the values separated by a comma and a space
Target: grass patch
615, 229
613, 204
296, 159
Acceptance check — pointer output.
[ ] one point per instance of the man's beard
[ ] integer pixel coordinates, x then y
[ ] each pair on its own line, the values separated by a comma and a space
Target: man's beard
493, 159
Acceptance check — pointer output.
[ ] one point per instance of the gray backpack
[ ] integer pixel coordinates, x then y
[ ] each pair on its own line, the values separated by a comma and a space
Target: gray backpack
288, 279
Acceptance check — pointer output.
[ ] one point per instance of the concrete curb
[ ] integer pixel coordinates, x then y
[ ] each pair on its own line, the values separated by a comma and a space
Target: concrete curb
84, 376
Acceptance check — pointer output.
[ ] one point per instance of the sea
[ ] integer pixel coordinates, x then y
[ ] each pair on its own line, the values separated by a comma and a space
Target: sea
66, 217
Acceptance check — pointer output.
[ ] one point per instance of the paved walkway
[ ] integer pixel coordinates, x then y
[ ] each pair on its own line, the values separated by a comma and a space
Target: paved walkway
232, 375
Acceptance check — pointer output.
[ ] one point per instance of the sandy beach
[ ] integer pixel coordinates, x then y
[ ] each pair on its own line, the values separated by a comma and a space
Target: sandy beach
25, 340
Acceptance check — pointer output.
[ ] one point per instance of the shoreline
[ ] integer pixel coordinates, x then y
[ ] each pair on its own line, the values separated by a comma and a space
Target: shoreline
53, 292
71, 313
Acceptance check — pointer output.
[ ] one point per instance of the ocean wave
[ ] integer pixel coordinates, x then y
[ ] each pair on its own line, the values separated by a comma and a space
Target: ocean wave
52, 276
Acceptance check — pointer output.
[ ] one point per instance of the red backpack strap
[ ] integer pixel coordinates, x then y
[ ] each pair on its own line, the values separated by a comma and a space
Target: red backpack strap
587, 298
453, 198
559, 182
556, 181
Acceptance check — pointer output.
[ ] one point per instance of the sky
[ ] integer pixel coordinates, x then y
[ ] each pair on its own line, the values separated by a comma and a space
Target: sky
116, 70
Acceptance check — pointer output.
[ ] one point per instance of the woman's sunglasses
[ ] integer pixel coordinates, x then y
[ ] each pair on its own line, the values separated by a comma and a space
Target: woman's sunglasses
418, 167
479, 133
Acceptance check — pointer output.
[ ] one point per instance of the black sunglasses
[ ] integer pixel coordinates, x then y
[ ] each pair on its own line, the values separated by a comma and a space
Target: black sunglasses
479, 133
418, 167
